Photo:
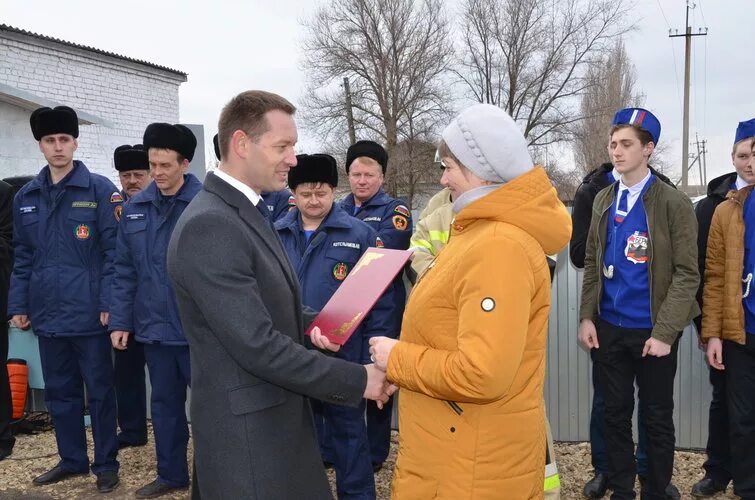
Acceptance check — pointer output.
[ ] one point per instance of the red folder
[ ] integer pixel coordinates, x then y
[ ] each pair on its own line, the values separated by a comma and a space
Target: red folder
356, 296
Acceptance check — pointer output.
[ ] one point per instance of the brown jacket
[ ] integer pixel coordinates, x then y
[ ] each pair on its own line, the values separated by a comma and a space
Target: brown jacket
471, 359
723, 314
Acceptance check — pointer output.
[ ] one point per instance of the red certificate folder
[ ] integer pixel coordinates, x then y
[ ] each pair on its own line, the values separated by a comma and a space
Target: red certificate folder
358, 293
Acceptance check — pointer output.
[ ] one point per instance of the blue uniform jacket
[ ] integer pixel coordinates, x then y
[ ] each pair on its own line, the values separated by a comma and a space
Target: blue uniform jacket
393, 222
324, 263
64, 241
278, 203
143, 299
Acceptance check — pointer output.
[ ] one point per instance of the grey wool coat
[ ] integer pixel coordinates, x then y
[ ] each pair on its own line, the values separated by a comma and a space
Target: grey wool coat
251, 374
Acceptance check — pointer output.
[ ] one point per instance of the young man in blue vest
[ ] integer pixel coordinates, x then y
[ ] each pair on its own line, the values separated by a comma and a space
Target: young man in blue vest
324, 243
366, 164
718, 465
591, 185
130, 385
638, 294
64, 231
144, 304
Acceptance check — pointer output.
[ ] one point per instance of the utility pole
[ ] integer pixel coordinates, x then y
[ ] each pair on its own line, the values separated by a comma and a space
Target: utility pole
349, 112
687, 60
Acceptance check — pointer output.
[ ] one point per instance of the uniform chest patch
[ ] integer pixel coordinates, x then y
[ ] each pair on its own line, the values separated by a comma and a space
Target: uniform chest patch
379, 243
82, 232
400, 222
372, 219
487, 304
347, 244
340, 271
637, 247
116, 197
28, 210
84, 204
135, 216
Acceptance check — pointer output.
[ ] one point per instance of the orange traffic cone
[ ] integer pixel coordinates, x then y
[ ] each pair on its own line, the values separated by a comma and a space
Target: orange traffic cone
18, 375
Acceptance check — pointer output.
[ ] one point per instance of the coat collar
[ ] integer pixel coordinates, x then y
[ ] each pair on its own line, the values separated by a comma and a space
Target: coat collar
252, 218
78, 177
379, 199
186, 192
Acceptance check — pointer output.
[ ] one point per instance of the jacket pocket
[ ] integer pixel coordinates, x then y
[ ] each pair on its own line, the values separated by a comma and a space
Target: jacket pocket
252, 398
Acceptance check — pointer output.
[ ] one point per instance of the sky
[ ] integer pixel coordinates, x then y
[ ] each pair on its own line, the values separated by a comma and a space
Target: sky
227, 46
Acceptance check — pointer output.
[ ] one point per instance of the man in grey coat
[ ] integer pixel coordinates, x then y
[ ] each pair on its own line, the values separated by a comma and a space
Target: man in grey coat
239, 302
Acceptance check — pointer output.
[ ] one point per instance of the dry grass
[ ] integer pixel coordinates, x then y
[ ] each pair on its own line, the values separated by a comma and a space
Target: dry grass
138, 468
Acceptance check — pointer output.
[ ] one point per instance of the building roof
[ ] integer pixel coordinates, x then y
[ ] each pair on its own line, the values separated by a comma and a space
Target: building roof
11, 29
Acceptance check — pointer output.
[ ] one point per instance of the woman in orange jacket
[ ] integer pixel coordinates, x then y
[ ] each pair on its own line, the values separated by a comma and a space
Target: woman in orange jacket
471, 359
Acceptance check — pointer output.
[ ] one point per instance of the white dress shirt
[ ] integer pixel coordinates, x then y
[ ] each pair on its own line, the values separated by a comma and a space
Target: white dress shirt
245, 190
634, 193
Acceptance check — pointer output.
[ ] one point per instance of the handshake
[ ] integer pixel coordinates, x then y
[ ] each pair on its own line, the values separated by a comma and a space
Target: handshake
378, 388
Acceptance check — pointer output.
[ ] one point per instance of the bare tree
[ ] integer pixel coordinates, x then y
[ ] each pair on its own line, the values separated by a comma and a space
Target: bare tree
565, 180
611, 85
531, 57
395, 54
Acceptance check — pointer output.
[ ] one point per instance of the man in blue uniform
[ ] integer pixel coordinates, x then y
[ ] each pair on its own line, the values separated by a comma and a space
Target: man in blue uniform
366, 164
279, 203
324, 243
64, 231
144, 305
130, 387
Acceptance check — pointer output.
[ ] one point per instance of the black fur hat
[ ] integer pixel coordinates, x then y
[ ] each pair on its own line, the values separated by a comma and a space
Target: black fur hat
166, 136
370, 149
48, 121
313, 168
130, 158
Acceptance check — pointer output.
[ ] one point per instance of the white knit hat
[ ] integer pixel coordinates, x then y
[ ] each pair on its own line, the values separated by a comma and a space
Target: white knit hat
488, 142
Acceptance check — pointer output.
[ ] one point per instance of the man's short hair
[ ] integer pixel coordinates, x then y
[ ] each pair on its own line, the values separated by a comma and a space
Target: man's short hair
748, 140
642, 134
246, 112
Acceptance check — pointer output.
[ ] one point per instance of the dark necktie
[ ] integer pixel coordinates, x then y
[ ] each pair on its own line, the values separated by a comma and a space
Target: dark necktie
623, 201
262, 207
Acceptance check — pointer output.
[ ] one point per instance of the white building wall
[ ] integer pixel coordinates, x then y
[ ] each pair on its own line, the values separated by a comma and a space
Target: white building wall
127, 96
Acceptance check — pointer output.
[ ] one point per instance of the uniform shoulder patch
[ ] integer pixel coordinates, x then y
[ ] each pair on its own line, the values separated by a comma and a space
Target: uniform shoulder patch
403, 210
117, 212
116, 197
400, 222
291, 201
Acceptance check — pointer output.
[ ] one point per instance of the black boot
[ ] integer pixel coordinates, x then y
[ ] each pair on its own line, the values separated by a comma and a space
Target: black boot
596, 487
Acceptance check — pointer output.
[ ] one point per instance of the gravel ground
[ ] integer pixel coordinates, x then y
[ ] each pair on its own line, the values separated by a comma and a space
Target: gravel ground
36, 454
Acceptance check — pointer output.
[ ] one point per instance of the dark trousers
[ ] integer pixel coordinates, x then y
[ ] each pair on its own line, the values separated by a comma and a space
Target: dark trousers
170, 375
620, 365
740, 391
718, 464
598, 449
349, 449
6, 410
67, 364
131, 393
379, 430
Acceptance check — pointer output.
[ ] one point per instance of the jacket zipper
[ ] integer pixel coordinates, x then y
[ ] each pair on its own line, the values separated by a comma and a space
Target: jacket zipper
455, 407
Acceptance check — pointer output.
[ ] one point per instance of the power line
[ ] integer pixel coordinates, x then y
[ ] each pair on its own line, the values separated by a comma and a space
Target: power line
673, 55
